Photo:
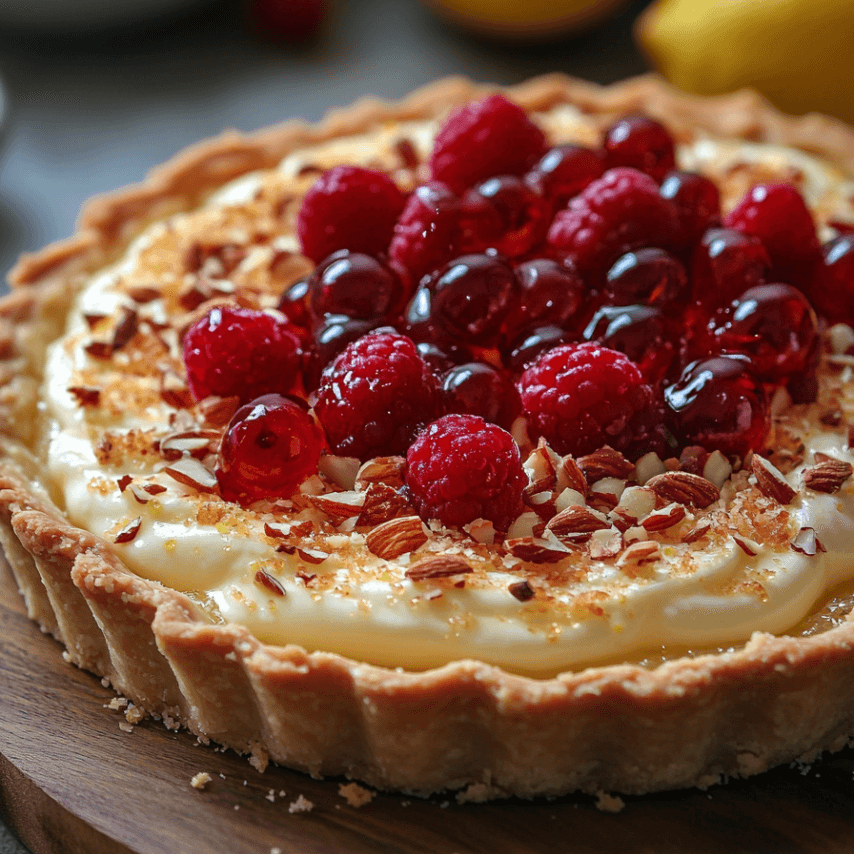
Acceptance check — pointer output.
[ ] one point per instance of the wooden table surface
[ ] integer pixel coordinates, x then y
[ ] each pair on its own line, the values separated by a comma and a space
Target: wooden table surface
72, 781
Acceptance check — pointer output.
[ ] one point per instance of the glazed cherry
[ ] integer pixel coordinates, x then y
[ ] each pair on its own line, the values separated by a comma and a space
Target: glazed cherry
234, 351
294, 303
329, 338
470, 297
776, 327
354, 285
640, 331
530, 343
697, 201
642, 143
519, 215
421, 326
719, 404
725, 263
269, 448
476, 388
832, 292
649, 276
550, 292
564, 171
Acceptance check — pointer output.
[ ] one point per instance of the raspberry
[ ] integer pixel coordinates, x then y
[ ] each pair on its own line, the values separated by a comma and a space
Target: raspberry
642, 143
348, 208
242, 352
270, 447
375, 396
461, 468
580, 397
484, 139
779, 217
619, 212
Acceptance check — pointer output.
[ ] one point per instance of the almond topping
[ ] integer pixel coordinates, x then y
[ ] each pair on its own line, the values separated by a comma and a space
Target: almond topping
139, 494
174, 391
807, 543
684, 488
266, 580
143, 294
124, 481
340, 470
382, 502
192, 473
537, 550
217, 411
154, 488
749, 547
667, 517
521, 590
570, 476
192, 442
397, 537
827, 475
770, 480
605, 544
384, 470
129, 531
576, 522
99, 349
86, 395
605, 462
438, 566
339, 505
643, 551
308, 555
125, 329
831, 418
697, 532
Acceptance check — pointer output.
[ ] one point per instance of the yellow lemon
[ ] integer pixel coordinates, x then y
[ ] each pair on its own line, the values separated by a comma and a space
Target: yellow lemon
526, 18
798, 53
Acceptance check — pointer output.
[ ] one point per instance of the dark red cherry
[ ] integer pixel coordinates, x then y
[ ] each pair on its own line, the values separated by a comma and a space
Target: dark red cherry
832, 291
294, 303
355, 285
648, 276
471, 296
550, 292
269, 448
776, 327
420, 325
330, 336
476, 388
640, 331
530, 343
718, 404
697, 201
564, 171
642, 143
725, 263
520, 215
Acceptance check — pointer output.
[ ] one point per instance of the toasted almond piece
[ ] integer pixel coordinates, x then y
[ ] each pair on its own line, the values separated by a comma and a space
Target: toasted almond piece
143, 294
666, 517
129, 531
642, 551
218, 411
385, 470
267, 581
577, 521
540, 470
438, 566
190, 442
481, 531
750, 547
770, 480
382, 502
154, 488
308, 555
124, 481
536, 549
86, 395
521, 590
648, 466
807, 543
717, 469
827, 475
636, 503
126, 328
697, 532
570, 476
605, 543
605, 462
174, 391
192, 473
684, 488
339, 505
396, 537
527, 525
841, 337
140, 495
569, 497
340, 470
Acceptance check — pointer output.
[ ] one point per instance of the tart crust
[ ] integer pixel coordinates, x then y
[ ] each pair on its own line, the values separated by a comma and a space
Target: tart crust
466, 725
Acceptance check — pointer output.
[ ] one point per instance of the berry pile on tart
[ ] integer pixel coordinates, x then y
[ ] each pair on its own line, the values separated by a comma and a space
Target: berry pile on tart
517, 415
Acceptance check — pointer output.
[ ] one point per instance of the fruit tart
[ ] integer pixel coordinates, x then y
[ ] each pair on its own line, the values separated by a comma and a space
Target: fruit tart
493, 440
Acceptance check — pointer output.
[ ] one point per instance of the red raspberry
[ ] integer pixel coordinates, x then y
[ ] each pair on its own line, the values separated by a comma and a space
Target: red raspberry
619, 212
462, 468
779, 217
270, 447
642, 143
242, 352
484, 139
375, 396
583, 396
348, 208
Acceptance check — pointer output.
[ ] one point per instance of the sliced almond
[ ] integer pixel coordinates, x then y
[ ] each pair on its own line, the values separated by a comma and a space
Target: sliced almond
192, 473
341, 471
807, 543
770, 480
314, 556
666, 517
540, 470
267, 581
605, 543
125, 329
382, 502
86, 395
217, 411
527, 525
648, 466
339, 505
438, 566
750, 547
684, 488
190, 442
717, 469
570, 476
605, 462
174, 390
827, 475
577, 523
385, 470
636, 503
536, 549
521, 590
129, 531
396, 537
644, 551
697, 532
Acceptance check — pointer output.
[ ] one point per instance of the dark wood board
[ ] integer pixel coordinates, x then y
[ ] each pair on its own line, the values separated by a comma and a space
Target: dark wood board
71, 782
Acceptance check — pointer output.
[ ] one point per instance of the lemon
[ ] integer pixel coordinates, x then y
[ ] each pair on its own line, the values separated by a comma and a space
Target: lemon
798, 53
526, 18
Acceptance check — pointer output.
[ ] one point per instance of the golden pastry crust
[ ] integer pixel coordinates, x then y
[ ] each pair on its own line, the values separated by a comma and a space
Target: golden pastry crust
467, 724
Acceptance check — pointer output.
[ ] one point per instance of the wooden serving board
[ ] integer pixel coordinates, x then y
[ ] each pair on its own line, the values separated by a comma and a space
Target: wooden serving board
72, 782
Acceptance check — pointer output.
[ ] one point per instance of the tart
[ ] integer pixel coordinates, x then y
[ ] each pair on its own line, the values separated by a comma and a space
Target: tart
493, 440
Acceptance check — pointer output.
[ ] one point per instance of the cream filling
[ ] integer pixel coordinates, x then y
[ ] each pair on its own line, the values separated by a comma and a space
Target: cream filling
381, 617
